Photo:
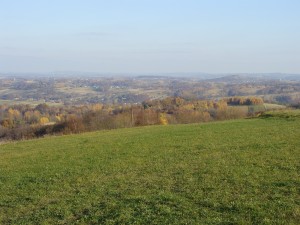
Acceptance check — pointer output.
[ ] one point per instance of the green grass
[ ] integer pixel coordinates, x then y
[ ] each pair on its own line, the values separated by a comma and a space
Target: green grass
269, 106
283, 114
234, 172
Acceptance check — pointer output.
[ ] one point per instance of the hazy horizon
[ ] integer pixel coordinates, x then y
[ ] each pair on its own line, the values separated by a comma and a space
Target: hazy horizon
199, 75
150, 37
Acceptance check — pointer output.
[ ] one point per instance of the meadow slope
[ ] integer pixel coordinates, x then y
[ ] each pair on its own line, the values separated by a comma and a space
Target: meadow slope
233, 172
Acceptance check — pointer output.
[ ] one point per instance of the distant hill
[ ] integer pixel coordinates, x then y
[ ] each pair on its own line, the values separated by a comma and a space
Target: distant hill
240, 171
293, 78
250, 78
234, 79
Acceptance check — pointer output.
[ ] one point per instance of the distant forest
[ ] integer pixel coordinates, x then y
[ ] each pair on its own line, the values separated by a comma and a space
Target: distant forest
25, 121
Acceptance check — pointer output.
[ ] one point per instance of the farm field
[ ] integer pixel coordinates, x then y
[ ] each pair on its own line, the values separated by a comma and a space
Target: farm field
28, 102
233, 172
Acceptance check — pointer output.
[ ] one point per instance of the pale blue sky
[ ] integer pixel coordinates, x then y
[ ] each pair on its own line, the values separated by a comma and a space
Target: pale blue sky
148, 36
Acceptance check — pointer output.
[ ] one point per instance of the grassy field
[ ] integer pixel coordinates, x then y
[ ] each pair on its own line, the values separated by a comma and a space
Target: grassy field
28, 102
233, 172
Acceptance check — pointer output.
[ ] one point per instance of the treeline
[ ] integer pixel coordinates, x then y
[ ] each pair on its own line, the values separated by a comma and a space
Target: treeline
244, 101
25, 122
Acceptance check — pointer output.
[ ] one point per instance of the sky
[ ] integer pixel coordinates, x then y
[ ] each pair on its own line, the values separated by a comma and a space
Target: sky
150, 36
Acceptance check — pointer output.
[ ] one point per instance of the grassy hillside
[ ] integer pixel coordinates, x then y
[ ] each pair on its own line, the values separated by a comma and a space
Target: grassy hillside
234, 172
